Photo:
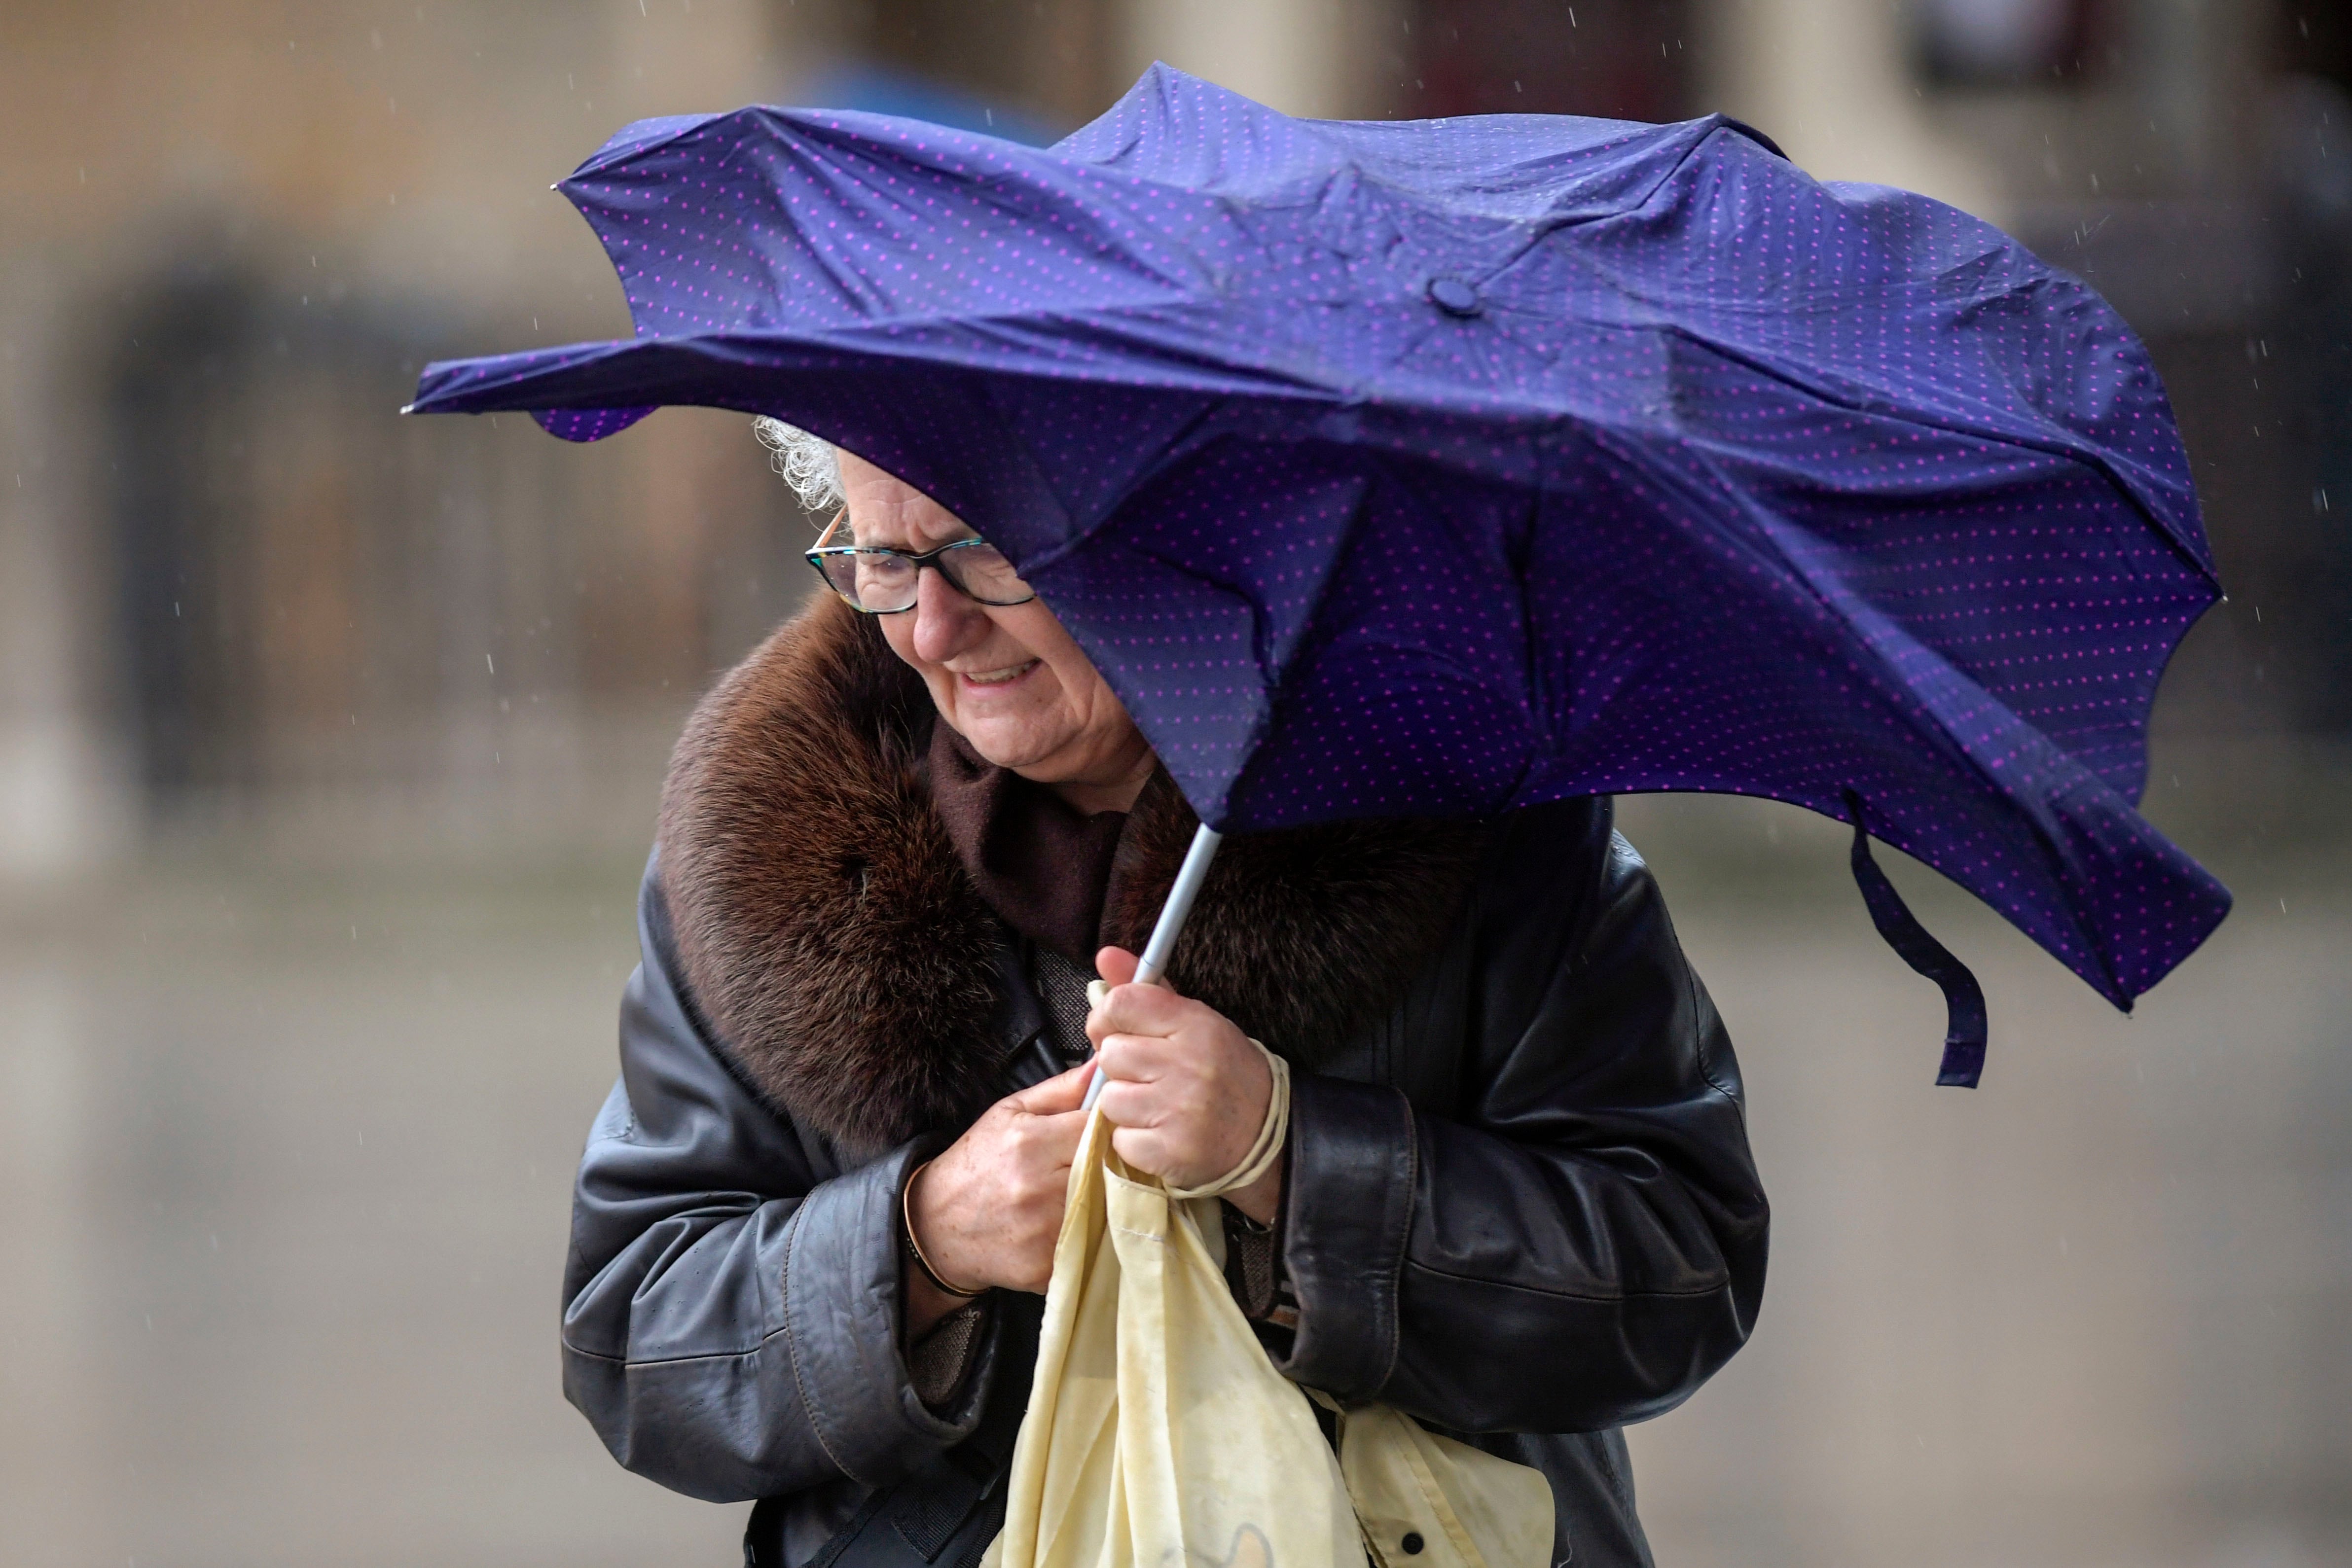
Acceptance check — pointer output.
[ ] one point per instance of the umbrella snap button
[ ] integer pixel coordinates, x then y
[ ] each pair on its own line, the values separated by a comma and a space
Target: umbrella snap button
1412, 1543
1455, 297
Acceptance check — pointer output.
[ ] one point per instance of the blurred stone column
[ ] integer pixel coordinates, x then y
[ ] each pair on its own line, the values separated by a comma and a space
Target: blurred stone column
1322, 59
2185, 45
63, 802
53, 1389
1831, 81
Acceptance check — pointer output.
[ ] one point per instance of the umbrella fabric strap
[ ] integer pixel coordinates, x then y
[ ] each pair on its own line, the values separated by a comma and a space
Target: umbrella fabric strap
1270, 1136
1964, 1002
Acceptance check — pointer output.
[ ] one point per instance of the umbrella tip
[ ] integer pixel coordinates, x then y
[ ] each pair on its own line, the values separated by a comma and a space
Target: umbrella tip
408, 408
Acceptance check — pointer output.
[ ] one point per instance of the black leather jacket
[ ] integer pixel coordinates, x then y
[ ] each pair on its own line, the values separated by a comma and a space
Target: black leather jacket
1520, 1208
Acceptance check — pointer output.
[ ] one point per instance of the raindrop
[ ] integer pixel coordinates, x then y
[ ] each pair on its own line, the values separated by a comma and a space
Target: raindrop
493, 663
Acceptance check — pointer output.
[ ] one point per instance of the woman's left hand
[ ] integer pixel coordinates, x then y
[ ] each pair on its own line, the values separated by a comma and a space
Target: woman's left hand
1185, 1089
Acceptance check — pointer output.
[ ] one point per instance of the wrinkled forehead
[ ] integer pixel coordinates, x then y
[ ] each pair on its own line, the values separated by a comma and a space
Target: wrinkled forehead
915, 535
886, 510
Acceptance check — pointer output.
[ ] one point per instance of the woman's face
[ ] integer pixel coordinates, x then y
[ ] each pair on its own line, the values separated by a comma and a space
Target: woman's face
1008, 678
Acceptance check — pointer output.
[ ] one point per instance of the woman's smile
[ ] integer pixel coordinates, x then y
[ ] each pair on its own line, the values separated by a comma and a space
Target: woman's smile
997, 680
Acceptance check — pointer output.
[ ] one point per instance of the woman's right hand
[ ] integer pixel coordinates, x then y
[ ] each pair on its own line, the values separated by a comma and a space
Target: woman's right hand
989, 1210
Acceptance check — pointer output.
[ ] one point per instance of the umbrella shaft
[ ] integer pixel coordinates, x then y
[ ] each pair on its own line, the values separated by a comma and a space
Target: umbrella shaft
1178, 907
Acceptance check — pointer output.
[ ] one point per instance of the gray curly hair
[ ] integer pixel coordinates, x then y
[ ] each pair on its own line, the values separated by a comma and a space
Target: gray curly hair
807, 462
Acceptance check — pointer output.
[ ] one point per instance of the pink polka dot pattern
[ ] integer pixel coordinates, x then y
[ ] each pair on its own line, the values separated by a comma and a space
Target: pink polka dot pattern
1449, 466
589, 423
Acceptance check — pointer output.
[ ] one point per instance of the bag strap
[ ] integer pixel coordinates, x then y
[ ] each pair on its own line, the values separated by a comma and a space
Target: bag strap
1272, 1133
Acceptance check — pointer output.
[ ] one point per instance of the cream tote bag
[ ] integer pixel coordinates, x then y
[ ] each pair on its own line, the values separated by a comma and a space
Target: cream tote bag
1159, 1436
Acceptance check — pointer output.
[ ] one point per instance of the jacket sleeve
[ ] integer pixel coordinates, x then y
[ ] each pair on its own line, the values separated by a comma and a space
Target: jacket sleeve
732, 1322
1576, 1239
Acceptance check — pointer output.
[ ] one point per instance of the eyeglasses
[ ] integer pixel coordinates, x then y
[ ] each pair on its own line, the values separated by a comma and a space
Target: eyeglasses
879, 581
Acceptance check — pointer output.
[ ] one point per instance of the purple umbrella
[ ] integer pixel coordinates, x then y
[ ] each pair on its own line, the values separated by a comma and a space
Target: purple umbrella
1449, 466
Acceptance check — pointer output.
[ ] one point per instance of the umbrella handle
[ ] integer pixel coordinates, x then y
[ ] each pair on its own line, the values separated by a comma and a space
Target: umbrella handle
1170, 926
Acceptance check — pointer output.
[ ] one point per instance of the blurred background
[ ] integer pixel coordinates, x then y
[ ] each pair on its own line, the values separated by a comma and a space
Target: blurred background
328, 745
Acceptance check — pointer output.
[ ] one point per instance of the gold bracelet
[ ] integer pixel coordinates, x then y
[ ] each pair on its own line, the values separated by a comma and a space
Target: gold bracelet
907, 1218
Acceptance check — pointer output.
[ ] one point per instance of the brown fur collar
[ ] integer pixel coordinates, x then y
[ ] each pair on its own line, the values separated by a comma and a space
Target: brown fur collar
830, 934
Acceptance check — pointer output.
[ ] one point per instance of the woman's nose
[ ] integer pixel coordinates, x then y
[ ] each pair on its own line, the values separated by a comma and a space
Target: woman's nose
946, 622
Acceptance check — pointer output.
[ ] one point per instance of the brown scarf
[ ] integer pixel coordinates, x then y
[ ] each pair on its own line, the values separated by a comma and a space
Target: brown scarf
1047, 868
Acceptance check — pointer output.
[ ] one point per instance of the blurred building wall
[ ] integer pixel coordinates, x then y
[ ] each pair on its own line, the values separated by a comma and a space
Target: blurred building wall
236, 231
236, 590
241, 603
229, 576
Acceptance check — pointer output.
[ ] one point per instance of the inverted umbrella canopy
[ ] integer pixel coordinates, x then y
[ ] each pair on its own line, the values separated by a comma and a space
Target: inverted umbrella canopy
1448, 466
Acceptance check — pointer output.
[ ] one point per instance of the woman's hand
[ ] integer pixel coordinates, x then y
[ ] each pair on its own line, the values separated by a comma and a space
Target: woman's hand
1185, 1089
989, 1209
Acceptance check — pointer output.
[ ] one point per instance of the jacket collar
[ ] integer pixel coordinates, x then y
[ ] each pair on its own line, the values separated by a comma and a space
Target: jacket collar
833, 936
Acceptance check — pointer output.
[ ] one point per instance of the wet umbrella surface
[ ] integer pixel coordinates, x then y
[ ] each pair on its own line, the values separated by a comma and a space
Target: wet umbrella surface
1447, 466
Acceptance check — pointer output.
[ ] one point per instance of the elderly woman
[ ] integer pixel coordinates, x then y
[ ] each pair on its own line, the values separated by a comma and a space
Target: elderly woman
815, 1215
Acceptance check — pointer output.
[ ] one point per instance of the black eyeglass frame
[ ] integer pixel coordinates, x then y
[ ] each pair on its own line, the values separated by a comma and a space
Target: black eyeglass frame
817, 556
